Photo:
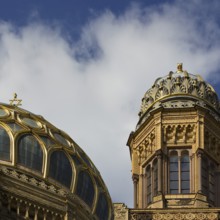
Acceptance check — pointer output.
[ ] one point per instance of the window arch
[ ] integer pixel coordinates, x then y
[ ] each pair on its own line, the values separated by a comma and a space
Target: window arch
60, 168
30, 153
4, 145
85, 188
102, 208
179, 172
149, 190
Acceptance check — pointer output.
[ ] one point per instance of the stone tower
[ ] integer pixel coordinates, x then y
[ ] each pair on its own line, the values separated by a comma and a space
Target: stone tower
175, 151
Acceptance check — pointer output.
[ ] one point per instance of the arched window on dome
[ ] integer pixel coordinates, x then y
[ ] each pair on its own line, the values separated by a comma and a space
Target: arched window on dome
29, 153
4, 145
60, 168
102, 208
85, 188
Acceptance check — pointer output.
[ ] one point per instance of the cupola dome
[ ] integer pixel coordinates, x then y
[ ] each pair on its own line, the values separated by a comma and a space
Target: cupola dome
185, 88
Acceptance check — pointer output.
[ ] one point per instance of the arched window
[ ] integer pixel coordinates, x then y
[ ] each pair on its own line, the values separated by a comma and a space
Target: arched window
4, 145
185, 171
60, 168
179, 172
149, 190
102, 209
85, 188
155, 177
173, 168
30, 153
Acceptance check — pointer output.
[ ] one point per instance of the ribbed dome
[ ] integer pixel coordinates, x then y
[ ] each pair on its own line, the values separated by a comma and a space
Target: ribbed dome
178, 85
31, 146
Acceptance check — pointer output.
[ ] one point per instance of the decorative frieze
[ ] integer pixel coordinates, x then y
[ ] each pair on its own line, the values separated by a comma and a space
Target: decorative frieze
33, 181
190, 215
179, 133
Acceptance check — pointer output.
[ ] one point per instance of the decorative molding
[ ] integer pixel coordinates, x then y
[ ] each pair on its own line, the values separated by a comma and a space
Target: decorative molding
31, 180
146, 148
174, 215
179, 133
179, 83
120, 211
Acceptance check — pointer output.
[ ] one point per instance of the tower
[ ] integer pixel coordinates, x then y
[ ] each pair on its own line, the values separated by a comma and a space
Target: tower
175, 151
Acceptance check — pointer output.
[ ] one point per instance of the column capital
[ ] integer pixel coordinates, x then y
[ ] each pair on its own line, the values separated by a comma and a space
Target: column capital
135, 177
159, 153
199, 152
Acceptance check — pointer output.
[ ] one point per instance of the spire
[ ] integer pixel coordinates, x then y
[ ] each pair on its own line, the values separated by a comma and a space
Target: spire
179, 67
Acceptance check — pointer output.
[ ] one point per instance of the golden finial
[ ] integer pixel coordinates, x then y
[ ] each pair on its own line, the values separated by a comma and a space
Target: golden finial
179, 67
15, 101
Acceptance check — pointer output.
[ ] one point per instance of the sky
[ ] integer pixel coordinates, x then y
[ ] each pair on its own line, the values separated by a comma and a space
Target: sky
86, 64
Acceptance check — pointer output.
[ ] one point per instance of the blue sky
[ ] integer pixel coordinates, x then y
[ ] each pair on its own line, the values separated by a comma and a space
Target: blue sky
85, 65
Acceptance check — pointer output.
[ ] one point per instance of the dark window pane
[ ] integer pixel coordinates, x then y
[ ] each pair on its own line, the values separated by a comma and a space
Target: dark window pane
149, 190
4, 145
185, 191
173, 175
85, 188
102, 209
76, 159
185, 159
174, 191
60, 168
155, 177
173, 185
185, 176
205, 174
184, 185
173, 166
174, 159
184, 166
30, 153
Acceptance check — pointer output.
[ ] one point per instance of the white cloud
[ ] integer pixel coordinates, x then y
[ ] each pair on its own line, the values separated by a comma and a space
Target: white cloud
92, 88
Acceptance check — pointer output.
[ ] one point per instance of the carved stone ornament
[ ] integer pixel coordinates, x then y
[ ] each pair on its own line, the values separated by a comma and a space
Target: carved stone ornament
179, 133
120, 211
179, 83
185, 216
141, 216
146, 148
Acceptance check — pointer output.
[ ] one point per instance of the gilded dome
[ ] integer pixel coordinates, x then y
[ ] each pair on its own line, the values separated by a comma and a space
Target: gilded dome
33, 149
182, 88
